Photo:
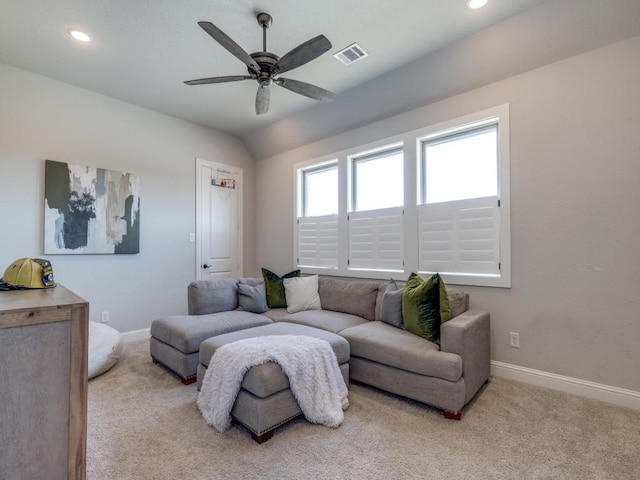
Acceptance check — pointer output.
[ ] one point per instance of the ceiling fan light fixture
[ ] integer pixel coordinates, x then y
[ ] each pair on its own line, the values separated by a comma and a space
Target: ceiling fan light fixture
79, 35
475, 4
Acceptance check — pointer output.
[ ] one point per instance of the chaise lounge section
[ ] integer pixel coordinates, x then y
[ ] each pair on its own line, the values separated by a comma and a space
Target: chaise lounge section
213, 310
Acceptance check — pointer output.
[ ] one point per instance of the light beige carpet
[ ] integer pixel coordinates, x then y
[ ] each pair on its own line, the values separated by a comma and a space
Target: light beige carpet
144, 424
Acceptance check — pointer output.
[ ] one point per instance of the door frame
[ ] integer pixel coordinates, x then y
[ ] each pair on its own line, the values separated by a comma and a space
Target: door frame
240, 185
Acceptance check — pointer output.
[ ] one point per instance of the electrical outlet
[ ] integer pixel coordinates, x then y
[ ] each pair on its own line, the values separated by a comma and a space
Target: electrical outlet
104, 317
514, 339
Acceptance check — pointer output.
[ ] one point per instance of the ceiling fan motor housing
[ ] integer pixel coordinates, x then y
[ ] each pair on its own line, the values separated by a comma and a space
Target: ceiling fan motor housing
265, 61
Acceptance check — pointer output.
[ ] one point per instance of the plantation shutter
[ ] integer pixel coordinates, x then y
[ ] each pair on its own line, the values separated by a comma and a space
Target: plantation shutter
376, 239
318, 241
460, 236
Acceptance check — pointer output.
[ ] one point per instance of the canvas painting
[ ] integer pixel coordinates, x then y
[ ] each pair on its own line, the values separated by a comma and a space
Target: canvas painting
90, 210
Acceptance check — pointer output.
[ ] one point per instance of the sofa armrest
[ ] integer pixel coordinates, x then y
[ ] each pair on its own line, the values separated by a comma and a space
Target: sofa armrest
468, 335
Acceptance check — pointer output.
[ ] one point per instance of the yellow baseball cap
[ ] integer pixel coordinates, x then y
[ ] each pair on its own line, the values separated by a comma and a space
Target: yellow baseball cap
28, 273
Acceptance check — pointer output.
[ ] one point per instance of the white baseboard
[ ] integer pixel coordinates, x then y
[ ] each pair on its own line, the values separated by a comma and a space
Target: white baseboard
596, 391
135, 335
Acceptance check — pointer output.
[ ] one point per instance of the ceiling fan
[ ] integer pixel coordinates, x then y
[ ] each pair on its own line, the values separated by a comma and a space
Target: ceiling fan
266, 67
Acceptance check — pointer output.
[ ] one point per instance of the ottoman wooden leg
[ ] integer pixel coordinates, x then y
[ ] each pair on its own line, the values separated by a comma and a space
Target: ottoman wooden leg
452, 415
262, 438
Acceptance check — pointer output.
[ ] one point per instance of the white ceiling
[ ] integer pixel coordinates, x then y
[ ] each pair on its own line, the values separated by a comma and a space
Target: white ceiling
143, 50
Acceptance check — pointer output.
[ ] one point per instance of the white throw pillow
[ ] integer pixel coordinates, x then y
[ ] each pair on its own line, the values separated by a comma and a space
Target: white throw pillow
302, 293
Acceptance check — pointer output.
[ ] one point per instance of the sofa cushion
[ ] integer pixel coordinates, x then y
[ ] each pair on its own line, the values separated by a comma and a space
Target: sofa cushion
383, 343
276, 314
324, 319
252, 298
212, 296
186, 332
391, 309
354, 297
302, 293
340, 345
275, 288
425, 305
457, 301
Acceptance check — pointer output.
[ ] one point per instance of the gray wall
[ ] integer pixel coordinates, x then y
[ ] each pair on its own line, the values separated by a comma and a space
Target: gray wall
44, 119
574, 211
547, 33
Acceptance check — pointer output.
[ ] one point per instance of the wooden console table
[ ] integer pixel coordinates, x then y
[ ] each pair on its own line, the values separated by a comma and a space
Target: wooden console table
43, 384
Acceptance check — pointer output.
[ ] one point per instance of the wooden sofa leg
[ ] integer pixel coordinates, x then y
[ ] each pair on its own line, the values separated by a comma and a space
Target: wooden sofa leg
452, 415
262, 438
185, 381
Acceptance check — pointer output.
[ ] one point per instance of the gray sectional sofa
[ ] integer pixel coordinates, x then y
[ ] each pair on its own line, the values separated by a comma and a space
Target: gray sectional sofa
379, 352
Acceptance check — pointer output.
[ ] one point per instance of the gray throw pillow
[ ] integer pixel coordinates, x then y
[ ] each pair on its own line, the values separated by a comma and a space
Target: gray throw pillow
391, 310
252, 298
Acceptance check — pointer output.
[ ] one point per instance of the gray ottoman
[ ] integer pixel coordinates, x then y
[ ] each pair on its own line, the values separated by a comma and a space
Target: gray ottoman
265, 400
175, 340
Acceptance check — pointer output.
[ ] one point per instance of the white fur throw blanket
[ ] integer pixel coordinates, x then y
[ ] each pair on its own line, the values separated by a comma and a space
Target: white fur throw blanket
308, 362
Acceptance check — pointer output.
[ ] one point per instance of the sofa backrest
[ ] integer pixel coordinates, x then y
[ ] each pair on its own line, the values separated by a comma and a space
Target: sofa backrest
458, 299
212, 296
346, 296
362, 298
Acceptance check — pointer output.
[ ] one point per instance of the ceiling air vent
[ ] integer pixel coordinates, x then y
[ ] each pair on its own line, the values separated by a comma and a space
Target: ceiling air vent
352, 53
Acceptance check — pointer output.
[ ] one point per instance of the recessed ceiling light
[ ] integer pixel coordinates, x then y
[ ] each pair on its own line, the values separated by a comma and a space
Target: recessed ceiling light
78, 35
476, 3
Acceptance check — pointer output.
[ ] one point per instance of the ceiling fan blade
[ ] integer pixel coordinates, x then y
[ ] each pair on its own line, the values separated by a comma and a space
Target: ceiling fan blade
235, 49
303, 53
306, 89
263, 97
230, 78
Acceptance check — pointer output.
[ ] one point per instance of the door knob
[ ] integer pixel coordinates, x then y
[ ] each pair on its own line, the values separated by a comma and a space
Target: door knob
205, 266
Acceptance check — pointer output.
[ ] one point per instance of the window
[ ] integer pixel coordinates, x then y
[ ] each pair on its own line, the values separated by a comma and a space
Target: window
376, 217
460, 165
462, 213
320, 190
317, 221
430, 200
377, 180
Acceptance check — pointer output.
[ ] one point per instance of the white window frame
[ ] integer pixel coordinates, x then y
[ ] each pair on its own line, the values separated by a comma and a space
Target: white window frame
323, 226
385, 226
502, 215
412, 199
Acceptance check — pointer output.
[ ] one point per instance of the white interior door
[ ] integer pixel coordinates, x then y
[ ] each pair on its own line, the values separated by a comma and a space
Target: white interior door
218, 221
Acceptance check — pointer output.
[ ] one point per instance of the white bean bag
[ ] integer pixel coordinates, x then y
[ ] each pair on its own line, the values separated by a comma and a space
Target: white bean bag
105, 347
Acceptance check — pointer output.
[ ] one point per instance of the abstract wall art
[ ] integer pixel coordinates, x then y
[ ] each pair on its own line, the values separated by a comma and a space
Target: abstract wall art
90, 210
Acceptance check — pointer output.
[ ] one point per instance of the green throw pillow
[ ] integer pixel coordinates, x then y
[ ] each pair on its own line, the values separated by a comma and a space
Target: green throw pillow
425, 306
275, 287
